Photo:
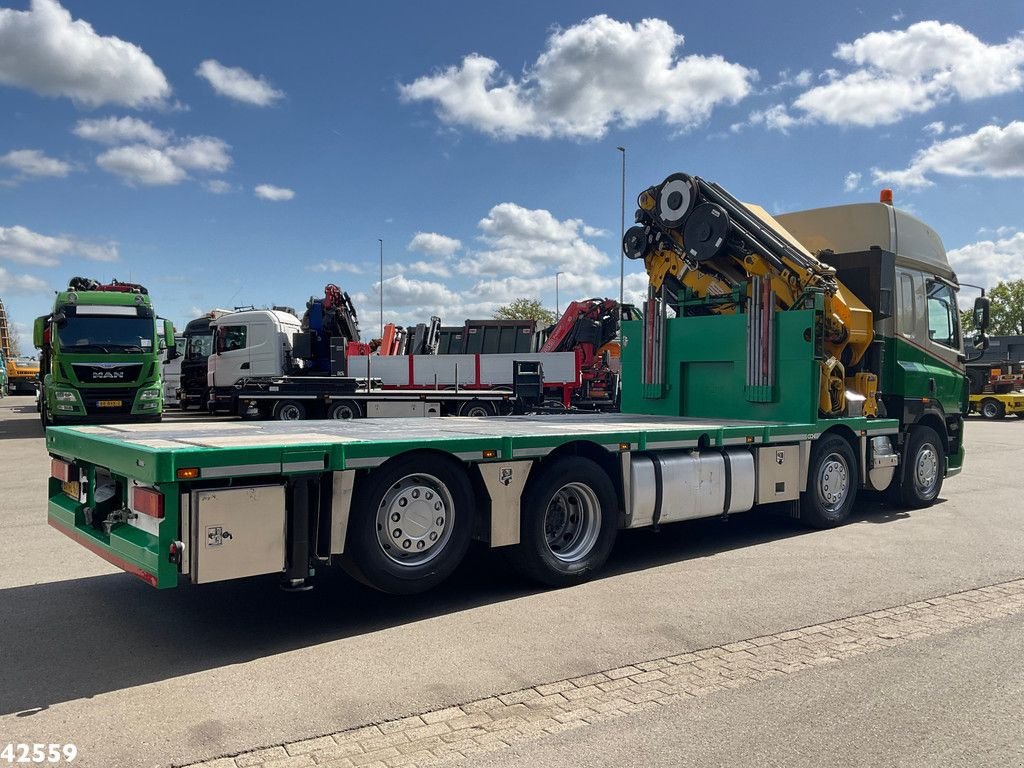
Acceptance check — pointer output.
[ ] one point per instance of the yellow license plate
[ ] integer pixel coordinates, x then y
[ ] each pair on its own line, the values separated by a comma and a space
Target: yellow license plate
110, 403
72, 489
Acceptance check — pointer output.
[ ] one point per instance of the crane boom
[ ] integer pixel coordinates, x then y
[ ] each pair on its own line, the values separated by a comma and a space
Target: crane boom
697, 239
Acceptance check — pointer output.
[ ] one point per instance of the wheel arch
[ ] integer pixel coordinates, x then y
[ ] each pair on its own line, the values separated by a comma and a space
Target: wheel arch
608, 461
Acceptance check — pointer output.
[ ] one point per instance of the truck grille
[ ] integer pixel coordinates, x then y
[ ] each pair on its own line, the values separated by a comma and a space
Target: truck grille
107, 373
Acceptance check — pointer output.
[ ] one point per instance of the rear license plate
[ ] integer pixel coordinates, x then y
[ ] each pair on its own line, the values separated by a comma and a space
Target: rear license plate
72, 489
110, 403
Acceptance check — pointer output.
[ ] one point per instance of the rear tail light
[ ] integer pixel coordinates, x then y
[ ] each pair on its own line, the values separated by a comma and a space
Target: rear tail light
62, 470
148, 502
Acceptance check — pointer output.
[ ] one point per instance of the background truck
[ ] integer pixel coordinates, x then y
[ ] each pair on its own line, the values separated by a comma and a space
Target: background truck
787, 362
996, 378
197, 346
101, 354
171, 375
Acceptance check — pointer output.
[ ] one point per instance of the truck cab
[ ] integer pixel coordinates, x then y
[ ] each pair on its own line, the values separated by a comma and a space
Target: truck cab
101, 354
251, 344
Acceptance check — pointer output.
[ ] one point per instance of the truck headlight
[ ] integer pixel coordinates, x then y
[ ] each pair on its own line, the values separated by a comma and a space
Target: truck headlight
66, 396
150, 394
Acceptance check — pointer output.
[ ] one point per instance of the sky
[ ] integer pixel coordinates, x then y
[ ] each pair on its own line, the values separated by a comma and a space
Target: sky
248, 153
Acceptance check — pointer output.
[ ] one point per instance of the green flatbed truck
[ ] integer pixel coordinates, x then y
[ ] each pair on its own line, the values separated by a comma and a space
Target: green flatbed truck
731, 404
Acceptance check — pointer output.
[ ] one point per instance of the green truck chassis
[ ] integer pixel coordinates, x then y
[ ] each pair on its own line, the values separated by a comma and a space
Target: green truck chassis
397, 501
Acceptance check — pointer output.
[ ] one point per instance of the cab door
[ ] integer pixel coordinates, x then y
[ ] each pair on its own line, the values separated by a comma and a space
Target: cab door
233, 355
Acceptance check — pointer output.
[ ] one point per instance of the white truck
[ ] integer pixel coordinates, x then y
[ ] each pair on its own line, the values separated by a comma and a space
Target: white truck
257, 369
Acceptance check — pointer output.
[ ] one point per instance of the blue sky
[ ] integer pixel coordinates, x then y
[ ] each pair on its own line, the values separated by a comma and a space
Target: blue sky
237, 153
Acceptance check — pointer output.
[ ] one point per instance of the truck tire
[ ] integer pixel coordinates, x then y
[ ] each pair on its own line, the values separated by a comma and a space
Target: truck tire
921, 469
289, 410
832, 481
344, 410
411, 523
477, 408
991, 408
568, 523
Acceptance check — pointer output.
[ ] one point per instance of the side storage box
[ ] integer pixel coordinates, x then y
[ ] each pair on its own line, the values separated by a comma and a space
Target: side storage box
237, 532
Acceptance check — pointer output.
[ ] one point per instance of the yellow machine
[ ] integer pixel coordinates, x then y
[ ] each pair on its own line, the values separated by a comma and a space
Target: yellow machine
694, 237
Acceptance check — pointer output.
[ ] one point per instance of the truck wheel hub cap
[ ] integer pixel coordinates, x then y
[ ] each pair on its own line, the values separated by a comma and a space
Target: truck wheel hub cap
833, 482
927, 468
572, 522
414, 519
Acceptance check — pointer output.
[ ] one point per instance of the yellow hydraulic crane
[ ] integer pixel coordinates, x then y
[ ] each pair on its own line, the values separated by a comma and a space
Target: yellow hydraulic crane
694, 235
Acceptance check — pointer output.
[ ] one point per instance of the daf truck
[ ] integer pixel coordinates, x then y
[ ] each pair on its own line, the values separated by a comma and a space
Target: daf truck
101, 353
789, 362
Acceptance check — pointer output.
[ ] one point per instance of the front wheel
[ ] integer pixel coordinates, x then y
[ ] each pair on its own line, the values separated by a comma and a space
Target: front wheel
832, 480
569, 520
922, 469
412, 520
344, 410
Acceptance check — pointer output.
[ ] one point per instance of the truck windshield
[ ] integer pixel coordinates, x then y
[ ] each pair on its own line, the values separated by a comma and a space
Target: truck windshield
106, 334
199, 346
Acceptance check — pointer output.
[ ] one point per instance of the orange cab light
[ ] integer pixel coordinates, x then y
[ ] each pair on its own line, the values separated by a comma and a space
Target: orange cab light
61, 470
148, 502
490, 453
885, 196
187, 473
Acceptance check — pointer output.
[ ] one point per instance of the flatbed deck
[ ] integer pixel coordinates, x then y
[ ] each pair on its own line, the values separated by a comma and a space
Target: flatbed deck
153, 452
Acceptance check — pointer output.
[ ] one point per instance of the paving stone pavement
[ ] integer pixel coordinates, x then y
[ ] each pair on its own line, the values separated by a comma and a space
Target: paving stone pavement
448, 735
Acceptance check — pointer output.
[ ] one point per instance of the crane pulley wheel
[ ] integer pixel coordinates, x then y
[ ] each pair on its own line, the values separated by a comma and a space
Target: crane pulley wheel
635, 244
676, 199
706, 231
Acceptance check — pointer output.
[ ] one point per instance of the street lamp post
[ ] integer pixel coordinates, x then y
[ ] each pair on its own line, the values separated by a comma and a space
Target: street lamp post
558, 313
622, 235
379, 240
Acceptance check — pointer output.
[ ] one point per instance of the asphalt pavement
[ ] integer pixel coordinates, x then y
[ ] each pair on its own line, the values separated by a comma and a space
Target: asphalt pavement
137, 677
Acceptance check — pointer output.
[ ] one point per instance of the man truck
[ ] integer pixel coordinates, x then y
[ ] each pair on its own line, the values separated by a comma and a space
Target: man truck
101, 354
788, 361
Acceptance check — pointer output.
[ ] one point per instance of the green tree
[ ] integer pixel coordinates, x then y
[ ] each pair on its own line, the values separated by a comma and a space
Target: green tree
1007, 309
525, 309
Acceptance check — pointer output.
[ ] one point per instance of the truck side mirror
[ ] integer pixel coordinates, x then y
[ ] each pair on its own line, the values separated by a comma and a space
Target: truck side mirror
169, 341
38, 331
982, 313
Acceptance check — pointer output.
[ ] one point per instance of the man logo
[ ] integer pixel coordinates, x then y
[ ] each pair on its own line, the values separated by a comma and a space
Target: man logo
107, 375
505, 475
780, 457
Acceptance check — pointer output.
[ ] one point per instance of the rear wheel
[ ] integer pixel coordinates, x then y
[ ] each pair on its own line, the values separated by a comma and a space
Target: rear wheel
831, 483
344, 410
290, 410
992, 408
477, 408
568, 523
921, 470
412, 520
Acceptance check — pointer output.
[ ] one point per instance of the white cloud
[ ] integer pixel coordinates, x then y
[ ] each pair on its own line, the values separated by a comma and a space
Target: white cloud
270, 192
120, 130
33, 162
201, 153
935, 129
911, 71
331, 265
10, 283
237, 84
44, 50
775, 118
142, 164
22, 245
400, 291
434, 244
852, 182
988, 262
435, 268
527, 242
155, 166
218, 186
591, 76
990, 152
